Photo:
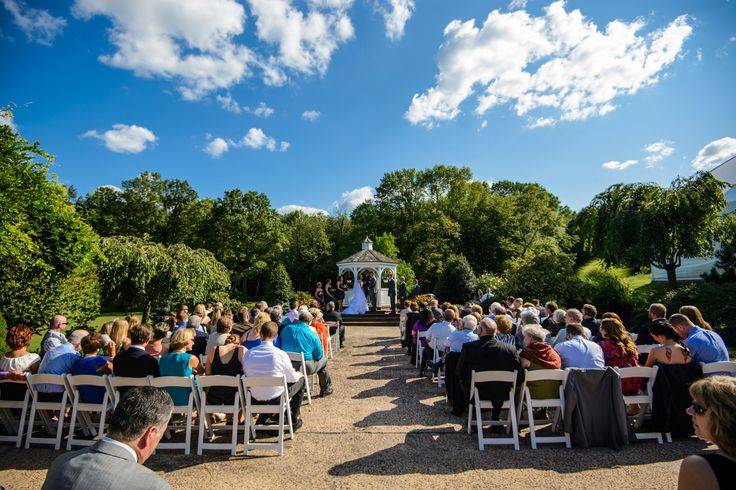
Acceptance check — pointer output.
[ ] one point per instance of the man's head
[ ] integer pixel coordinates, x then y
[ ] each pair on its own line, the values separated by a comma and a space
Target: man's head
182, 316
269, 331
76, 338
487, 327
58, 322
681, 324
551, 307
194, 321
573, 316
402, 278
574, 329
139, 334
449, 315
140, 419
469, 322
530, 316
330, 306
305, 317
657, 310
589, 311
294, 304
276, 314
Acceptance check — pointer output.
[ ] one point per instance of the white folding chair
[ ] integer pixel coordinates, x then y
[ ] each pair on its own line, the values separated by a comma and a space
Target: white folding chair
334, 338
645, 349
723, 368
298, 357
439, 378
180, 382
12, 425
530, 403
420, 348
204, 383
478, 404
248, 382
114, 383
33, 381
643, 399
82, 410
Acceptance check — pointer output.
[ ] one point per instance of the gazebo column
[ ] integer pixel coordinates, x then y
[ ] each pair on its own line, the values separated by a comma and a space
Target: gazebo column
379, 287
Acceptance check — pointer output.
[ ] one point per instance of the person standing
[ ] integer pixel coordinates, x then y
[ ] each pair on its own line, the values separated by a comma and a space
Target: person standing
416, 289
402, 290
392, 293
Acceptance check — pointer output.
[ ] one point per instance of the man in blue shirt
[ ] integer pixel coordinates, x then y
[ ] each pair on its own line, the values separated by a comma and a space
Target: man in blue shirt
705, 345
59, 360
297, 337
578, 352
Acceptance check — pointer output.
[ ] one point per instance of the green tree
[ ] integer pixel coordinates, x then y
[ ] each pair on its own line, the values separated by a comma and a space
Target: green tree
386, 244
45, 247
308, 252
544, 275
278, 284
457, 282
726, 252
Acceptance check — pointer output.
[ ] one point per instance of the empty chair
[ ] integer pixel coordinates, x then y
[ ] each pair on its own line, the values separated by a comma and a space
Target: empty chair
204, 383
531, 403
81, 408
180, 384
13, 426
117, 385
643, 399
334, 343
251, 408
41, 407
478, 404
298, 357
723, 368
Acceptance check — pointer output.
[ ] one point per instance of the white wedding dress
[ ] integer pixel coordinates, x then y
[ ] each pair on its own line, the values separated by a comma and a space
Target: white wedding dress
358, 305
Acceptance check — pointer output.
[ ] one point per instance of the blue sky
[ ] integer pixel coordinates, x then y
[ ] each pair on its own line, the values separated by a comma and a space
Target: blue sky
163, 71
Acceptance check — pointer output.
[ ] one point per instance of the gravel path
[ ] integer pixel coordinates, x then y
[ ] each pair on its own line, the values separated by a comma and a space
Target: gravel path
386, 427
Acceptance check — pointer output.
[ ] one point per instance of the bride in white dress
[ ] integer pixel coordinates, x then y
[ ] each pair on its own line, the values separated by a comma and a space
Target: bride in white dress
358, 305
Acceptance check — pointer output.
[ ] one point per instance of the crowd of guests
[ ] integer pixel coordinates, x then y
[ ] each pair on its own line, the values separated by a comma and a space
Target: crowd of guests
211, 341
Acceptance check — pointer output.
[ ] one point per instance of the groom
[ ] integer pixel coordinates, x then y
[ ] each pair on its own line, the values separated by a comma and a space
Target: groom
371, 290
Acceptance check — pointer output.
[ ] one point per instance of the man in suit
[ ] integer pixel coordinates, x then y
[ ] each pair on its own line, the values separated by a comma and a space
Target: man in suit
392, 293
116, 461
416, 289
591, 322
135, 362
657, 314
333, 316
484, 354
402, 290
372, 288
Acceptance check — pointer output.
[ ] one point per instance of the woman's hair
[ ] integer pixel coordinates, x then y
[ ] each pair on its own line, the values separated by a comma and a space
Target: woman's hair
132, 320
200, 310
616, 332
216, 315
693, 313
119, 331
105, 328
181, 338
18, 336
426, 317
503, 322
530, 316
232, 339
261, 319
92, 343
610, 314
718, 395
534, 332
224, 324
160, 331
666, 330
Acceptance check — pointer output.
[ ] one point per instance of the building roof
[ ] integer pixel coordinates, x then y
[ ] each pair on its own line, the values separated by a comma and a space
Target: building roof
368, 256
726, 172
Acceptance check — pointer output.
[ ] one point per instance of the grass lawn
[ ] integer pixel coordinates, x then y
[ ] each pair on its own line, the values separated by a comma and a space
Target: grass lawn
634, 281
96, 323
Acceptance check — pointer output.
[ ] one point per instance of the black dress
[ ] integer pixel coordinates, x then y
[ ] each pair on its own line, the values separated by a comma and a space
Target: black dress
222, 395
723, 468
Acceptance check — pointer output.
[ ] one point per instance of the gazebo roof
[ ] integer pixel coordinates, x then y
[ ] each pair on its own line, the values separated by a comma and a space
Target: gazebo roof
368, 256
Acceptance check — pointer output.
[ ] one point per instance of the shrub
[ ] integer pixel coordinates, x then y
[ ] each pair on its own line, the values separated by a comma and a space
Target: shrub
546, 275
457, 282
717, 303
405, 269
605, 290
303, 297
423, 298
278, 284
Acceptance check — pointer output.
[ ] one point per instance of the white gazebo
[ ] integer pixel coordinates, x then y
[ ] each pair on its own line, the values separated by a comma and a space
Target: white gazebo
369, 260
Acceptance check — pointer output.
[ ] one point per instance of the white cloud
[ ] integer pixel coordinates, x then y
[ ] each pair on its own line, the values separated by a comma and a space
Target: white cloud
615, 165
311, 116
714, 153
261, 110
123, 138
256, 139
283, 146
37, 24
484, 124
290, 208
542, 122
217, 147
113, 188
559, 62
396, 13
517, 4
699, 54
6, 119
656, 152
349, 200
229, 104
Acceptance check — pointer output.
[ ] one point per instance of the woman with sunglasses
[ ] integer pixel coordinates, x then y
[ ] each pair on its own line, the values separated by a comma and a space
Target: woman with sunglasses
712, 410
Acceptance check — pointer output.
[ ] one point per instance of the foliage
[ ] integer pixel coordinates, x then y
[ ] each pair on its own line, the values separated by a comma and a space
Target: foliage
278, 285
303, 297
457, 282
403, 268
639, 224
726, 253
545, 275
386, 244
491, 281
45, 248
607, 292
717, 303
423, 298
307, 255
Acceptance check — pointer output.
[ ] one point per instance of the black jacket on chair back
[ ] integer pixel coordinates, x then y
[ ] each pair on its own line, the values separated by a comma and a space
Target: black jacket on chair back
487, 354
135, 363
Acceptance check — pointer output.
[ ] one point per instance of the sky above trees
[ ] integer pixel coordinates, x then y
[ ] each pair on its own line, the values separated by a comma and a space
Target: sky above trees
311, 102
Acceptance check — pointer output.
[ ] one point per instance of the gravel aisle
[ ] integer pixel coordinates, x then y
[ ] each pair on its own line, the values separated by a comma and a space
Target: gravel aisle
385, 427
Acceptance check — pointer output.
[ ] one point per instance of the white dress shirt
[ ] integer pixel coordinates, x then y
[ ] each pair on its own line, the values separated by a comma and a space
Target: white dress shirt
267, 360
438, 333
120, 444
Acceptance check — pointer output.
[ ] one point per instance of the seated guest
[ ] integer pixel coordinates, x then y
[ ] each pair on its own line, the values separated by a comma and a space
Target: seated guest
115, 462
91, 363
556, 324
135, 362
266, 360
459, 337
484, 354
178, 361
156, 346
590, 321
59, 360
320, 328
424, 321
182, 319
251, 337
18, 360
54, 336
579, 352
549, 309
293, 313
619, 351
712, 411
402, 319
693, 313
119, 335
438, 333
505, 333
538, 354
656, 314
333, 316
572, 317
704, 345
529, 316
225, 360
671, 349
297, 337
223, 328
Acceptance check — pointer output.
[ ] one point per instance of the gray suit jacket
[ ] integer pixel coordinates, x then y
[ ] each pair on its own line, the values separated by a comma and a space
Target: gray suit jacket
102, 466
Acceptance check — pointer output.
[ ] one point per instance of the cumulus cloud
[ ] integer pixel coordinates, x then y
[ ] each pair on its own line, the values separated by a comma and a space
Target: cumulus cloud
113, 188
349, 200
656, 152
256, 139
123, 138
290, 208
37, 24
311, 116
714, 153
616, 165
217, 147
396, 13
558, 62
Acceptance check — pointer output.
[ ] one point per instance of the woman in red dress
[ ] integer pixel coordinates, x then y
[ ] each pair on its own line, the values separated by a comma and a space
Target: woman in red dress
620, 351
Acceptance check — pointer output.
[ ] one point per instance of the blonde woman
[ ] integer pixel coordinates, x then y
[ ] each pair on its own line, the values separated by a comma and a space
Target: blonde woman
693, 313
251, 337
180, 362
119, 335
201, 311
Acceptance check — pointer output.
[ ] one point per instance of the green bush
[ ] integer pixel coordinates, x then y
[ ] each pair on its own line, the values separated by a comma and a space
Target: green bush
717, 303
547, 275
457, 282
605, 290
278, 285
303, 297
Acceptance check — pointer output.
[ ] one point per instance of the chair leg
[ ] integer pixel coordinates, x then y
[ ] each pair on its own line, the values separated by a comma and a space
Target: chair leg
281, 433
31, 422
234, 440
248, 429
188, 433
514, 424
22, 422
532, 427
479, 423
470, 416
291, 425
200, 432
103, 414
59, 428
72, 424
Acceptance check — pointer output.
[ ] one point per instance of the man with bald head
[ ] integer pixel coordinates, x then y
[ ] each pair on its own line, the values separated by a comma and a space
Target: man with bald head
54, 336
